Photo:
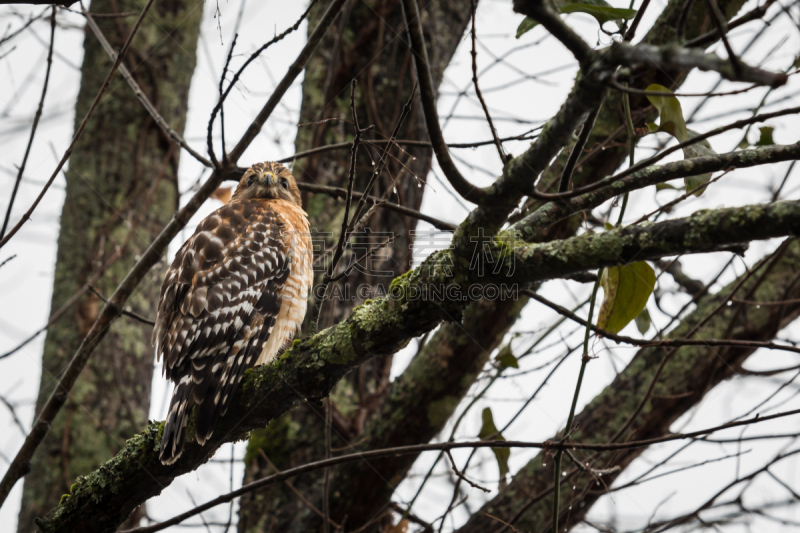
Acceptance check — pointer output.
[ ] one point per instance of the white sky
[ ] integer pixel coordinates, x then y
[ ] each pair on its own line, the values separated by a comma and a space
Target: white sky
26, 281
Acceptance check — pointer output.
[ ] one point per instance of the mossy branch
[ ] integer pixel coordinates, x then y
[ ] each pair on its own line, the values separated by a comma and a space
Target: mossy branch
309, 370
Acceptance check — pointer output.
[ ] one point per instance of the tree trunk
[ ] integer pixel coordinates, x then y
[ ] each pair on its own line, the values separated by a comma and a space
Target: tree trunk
121, 190
368, 45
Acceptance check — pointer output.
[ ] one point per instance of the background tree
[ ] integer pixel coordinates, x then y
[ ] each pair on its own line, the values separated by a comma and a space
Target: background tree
121, 188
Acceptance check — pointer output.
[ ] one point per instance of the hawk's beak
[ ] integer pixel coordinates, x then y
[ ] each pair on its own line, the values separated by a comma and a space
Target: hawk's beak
266, 179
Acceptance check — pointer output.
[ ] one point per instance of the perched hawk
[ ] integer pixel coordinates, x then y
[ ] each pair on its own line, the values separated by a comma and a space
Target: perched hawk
233, 298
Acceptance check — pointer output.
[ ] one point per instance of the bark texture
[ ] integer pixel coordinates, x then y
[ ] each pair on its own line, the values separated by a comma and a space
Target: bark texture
121, 190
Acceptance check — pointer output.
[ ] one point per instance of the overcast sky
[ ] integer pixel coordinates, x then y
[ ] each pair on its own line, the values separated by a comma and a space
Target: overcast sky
518, 103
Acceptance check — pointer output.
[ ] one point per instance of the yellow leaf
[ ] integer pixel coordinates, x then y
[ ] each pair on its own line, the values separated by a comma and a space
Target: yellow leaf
489, 432
670, 111
626, 291
672, 122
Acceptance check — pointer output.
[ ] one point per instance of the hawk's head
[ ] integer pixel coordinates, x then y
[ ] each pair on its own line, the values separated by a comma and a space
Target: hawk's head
268, 180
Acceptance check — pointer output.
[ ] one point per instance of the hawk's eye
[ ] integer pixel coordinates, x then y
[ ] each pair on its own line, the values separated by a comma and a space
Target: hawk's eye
251, 180
285, 183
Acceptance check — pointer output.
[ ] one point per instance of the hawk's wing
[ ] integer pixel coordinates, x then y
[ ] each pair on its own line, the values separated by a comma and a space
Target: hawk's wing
218, 305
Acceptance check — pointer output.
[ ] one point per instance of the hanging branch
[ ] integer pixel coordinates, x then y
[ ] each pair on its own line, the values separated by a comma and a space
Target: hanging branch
446, 447
505, 158
428, 98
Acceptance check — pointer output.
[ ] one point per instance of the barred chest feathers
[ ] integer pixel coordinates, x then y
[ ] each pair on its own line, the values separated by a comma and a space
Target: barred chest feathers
294, 293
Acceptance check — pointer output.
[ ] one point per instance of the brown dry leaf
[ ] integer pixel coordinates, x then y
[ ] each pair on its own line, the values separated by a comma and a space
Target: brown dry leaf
223, 194
400, 527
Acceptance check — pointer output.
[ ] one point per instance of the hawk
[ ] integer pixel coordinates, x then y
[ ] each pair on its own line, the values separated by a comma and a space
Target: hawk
233, 298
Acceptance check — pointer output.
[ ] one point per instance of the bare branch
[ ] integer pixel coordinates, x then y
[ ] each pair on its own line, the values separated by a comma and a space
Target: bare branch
294, 70
137, 91
428, 98
678, 57
35, 124
68, 153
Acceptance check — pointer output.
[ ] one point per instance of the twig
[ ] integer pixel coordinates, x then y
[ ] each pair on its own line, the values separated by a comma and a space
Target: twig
339, 192
125, 312
31, 20
631, 32
418, 448
661, 155
221, 108
7, 259
722, 27
577, 150
505, 158
515, 530
35, 124
568, 428
708, 38
426, 527
406, 110
68, 153
295, 491
666, 343
14, 416
623, 88
344, 232
780, 302
294, 70
372, 251
405, 142
326, 513
461, 476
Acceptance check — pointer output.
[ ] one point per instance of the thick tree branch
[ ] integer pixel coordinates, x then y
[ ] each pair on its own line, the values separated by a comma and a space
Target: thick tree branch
541, 11
678, 57
464, 341
380, 327
552, 212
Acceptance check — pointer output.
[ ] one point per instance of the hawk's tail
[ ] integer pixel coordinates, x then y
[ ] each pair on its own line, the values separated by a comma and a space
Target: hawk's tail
179, 409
